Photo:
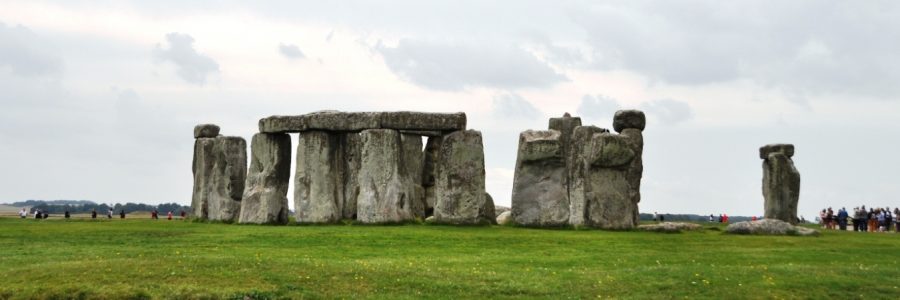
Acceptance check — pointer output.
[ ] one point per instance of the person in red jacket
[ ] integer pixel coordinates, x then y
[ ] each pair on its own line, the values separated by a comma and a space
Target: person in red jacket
170, 216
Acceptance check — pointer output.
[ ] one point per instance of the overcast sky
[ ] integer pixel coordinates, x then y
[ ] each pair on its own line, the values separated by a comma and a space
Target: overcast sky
98, 99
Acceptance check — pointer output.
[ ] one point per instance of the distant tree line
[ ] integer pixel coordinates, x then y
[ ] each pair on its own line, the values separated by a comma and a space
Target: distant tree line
56, 207
691, 218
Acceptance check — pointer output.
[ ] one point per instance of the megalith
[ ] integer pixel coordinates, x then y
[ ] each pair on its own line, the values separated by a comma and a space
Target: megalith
540, 188
206, 131
579, 168
204, 160
265, 193
386, 193
430, 172
460, 186
318, 182
351, 151
229, 173
413, 166
631, 124
609, 202
781, 182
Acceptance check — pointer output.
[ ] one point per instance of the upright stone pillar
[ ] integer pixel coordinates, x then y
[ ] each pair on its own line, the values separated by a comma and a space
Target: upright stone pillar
460, 186
540, 194
430, 172
229, 173
579, 169
613, 173
265, 193
386, 194
318, 185
351, 151
781, 182
414, 165
204, 160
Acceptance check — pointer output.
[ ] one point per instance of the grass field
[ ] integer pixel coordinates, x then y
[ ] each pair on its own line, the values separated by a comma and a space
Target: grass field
137, 258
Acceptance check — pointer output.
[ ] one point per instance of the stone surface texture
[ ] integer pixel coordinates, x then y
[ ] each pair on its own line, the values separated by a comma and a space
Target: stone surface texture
670, 227
318, 186
265, 192
629, 119
229, 174
540, 193
204, 160
386, 193
460, 185
206, 131
781, 183
769, 227
579, 168
359, 121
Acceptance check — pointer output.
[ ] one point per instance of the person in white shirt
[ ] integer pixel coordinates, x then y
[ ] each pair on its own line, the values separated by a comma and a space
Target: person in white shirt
23, 213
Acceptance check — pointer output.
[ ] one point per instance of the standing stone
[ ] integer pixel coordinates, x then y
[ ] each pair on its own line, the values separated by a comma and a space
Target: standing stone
204, 160
414, 165
540, 193
579, 168
781, 182
386, 195
430, 172
609, 196
460, 185
265, 193
229, 173
631, 124
351, 151
317, 183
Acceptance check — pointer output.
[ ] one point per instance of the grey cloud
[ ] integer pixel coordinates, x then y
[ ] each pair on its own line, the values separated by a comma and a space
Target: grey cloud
456, 66
26, 54
511, 106
804, 47
599, 107
291, 51
191, 65
668, 111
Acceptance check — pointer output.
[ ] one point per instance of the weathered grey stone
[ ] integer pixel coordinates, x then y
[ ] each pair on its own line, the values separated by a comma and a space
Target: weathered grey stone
351, 149
505, 218
460, 187
500, 209
358, 121
769, 227
670, 227
206, 131
540, 193
386, 195
629, 119
635, 140
566, 127
781, 183
265, 193
318, 185
579, 168
786, 149
413, 165
409, 120
204, 160
229, 173
430, 172
609, 195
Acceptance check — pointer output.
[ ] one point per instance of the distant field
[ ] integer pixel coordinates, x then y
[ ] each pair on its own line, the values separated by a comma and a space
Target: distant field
139, 258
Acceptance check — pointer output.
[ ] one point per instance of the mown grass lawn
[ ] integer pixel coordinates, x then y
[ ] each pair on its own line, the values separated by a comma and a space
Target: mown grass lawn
176, 259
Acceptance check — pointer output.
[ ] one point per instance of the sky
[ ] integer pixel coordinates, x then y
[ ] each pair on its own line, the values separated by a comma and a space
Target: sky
98, 99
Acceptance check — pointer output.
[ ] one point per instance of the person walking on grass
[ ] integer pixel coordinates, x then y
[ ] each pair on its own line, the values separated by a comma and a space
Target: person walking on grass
66, 214
23, 213
897, 216
93, 213
170, 215
842, 218
183, 214
37, 213
122, 214
888, 219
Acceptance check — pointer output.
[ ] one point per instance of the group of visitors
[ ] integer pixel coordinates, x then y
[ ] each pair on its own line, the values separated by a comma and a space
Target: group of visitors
723, 218
862, 219
38, 214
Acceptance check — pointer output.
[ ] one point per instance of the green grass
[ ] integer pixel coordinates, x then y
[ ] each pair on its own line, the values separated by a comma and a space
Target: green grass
175, 259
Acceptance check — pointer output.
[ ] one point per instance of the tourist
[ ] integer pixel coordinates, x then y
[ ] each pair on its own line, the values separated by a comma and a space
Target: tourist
842, 218
93, 213
655, 217
46, 215
23, 213
888, 219
822, 219
829, 219
183, 215
725, 218
712, 218
897, 215
37, 213
109, 213
66, 214
863, 219
122, 214
662, 218
170, 215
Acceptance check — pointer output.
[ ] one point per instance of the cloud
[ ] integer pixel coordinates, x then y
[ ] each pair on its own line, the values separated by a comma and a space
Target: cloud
598, 107
291, 51
511, 106
803, 47
191, 66
25, 54
457, 66
668, 111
